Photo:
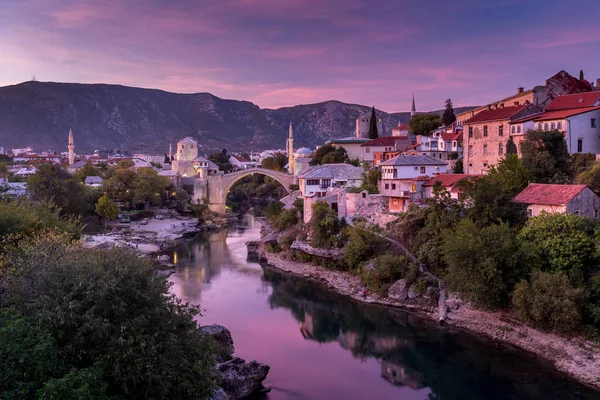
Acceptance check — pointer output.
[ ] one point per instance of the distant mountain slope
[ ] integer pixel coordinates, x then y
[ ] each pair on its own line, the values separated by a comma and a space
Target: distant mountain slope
107, 117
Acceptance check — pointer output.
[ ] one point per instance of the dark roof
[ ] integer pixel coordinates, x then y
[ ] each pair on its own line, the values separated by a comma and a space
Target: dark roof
446, 180
496, 114
413, 160
548, 194
560, 114
447, 136
577, 100
383, 141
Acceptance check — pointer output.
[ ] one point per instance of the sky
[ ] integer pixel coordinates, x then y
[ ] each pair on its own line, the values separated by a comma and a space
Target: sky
279, 53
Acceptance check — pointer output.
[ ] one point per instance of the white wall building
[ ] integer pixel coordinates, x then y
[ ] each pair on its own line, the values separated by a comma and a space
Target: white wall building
316, 180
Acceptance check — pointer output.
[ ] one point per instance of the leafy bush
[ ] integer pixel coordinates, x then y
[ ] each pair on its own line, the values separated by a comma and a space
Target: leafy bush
549, 302
272, 210
21, 217
363, 245
285, 220
324, 225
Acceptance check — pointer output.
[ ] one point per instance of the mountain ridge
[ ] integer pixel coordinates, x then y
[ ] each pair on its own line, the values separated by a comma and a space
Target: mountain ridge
111, 116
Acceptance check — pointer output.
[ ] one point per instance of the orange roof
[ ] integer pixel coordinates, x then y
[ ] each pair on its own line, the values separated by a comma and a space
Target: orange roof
577, 100
447, 180
402, 127
548, 194
447, 136
560, 114
458, 136
495, 114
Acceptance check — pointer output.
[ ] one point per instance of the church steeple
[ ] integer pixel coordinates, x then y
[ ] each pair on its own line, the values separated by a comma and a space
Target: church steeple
290, 150
413, 109
71, 148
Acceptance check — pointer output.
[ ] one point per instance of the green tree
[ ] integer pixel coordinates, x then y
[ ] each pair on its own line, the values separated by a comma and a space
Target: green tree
85, 171
23, 217
511, 147
581, 75
52, 183
119, 184
107, 209
448, 117
373, 134
222, 161
324, 225
371, 178
423, 124
590, 177
546, 157
458, 167
549, 302
566, 243
329, 154
148, 187
363, 245
276, 162
484, 264
94, 323
511, 174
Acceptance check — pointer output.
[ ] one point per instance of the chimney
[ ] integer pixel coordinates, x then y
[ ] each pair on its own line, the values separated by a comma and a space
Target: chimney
520, 90
501, 105
489, 107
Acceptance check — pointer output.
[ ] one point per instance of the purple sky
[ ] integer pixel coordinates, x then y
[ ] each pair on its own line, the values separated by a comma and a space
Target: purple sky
284, 52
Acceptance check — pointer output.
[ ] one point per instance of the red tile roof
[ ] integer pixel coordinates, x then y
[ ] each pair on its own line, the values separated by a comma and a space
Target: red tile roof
495, 114
458, 136
548, 194
383, 141
577, 100
560, 114
241, 159
402, 127
446, 180
447, 136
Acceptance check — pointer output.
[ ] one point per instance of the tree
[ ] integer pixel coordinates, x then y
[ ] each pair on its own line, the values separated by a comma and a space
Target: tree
148, 187
423, 124
511, 147
277, 162
590, 177
549, 302
581, 75
373, 125
87, 170
107, 209
546, 157
370, 181
458, 167
329, 154
511, 174
23, 217
448, 118
324, 225
52, 183
95, 323
222, 161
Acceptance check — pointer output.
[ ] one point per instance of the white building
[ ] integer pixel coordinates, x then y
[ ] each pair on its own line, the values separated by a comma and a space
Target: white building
241, 162
17, 152
316, 180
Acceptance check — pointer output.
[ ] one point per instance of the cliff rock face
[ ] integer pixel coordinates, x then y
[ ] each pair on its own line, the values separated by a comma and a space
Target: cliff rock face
110, 117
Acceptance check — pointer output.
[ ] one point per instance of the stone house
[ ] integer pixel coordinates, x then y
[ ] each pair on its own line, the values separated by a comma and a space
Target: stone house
316, 180
486, 135
559, 199
383, 144
448, 182
402, 178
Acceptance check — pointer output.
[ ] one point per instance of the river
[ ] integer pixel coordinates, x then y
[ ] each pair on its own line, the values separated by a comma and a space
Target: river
325, 346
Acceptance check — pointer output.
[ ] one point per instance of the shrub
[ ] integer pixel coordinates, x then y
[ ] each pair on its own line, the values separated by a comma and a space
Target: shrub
285, 220
363, 245
387, 269
324, 225
549, 302
273, 209
273, 247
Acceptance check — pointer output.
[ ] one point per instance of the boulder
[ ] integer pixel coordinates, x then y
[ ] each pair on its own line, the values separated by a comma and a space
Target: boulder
240, 379
399, 290
412, 292
165, 272
222, 336
164, 257
219, 394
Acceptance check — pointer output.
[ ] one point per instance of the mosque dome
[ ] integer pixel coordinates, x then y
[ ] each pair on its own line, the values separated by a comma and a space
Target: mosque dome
303, 152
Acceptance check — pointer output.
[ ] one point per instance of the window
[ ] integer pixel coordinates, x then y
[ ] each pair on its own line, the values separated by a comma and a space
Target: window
387, 186
529, 212
470, 131
593, 122
518, 128
422, 170
485, 131
485, 150
559, 125
579, 145
500, 149
545, 126
501, 130
312, 182
368, 150
393, 186
539, 126
485, 164
512, 129
470, 151
596, 213
470, 164
552, 126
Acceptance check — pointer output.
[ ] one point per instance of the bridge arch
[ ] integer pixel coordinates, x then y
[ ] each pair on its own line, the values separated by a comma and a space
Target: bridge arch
219, 185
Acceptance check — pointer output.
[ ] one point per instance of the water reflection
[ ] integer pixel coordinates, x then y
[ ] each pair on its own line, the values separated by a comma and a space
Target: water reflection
325, 346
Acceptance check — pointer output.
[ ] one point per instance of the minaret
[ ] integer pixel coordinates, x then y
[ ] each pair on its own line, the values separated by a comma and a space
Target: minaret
413, 109
71, 148
290, 150
170, 151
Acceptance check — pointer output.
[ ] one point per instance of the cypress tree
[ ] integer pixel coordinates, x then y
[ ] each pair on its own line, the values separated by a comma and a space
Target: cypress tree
581, 75
373, 134
511, 147
448, 118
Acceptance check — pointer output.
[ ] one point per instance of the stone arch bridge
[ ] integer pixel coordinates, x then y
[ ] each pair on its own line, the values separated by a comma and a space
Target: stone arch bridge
218, 185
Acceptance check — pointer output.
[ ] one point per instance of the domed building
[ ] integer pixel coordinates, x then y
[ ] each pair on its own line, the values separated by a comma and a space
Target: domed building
302, 158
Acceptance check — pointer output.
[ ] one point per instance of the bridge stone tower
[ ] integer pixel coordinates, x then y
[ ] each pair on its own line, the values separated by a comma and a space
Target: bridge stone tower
71, 148
187, 152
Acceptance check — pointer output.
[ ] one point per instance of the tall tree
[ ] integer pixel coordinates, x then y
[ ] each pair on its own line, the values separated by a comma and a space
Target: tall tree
329, 155
107, 209
511, 147
53, 183
423, 124
581, 75
448, 118
545, 155
373, 133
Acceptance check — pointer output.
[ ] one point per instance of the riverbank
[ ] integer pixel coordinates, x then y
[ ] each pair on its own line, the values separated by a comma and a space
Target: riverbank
575, 357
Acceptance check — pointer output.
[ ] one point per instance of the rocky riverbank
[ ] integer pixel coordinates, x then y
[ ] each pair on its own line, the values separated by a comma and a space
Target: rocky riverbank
576, 357
238, 379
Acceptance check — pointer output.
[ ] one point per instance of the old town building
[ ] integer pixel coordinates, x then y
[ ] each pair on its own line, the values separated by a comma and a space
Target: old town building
559, 199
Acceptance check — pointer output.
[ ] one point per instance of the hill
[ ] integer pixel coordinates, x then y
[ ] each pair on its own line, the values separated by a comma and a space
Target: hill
109, 117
